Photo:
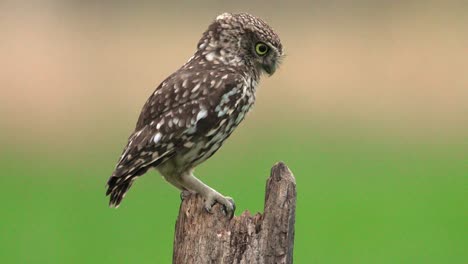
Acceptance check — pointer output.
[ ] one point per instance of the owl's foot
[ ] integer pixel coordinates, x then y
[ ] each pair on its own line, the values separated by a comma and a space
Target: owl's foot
211, 196
227, 203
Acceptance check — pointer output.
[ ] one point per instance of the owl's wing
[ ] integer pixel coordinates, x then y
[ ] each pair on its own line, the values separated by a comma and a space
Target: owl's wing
158, 140
186, 86
169, 121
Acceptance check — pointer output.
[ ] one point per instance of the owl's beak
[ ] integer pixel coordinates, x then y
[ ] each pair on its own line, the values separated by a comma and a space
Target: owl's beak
270, 63
269, 68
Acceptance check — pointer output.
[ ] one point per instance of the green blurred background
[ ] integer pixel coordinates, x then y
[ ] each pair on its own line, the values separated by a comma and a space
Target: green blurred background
369, 110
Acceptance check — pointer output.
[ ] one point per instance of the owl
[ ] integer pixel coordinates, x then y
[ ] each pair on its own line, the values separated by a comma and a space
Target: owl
194, 110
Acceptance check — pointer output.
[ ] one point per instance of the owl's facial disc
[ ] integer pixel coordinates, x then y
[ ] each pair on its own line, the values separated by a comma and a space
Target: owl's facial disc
267, 57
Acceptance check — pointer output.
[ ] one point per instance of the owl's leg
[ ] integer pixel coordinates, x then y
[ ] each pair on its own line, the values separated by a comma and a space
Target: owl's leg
175, 181
211, 196
168, 172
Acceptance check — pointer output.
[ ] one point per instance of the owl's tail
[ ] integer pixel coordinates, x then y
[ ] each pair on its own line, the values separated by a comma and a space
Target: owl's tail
117, 187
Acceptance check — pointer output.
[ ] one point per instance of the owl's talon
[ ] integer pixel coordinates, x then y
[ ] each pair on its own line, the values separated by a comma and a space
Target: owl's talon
209, 206
208, 210
227, 205
228, 210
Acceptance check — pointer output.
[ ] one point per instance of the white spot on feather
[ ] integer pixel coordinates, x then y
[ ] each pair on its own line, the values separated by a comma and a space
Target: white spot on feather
210, 56
188, 144
157, 137
190, 58
202, 114
158, 126
211, 132
196, 88
223, 16
155, 155
218, 84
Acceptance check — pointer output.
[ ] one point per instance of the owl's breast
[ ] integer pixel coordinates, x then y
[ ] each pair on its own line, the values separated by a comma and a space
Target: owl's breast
211, 132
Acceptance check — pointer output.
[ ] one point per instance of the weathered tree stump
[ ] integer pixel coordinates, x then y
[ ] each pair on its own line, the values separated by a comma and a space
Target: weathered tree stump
265, 238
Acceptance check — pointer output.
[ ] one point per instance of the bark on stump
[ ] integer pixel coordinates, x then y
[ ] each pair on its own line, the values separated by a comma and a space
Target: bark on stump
265, 238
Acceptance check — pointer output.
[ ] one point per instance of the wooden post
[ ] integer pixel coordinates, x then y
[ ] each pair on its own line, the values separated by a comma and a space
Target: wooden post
265, 238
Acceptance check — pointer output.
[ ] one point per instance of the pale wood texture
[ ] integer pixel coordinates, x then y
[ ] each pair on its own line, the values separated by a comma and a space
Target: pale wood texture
265, 238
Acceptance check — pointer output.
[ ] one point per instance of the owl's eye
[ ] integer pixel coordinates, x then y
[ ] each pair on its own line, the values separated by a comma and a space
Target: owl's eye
261, 48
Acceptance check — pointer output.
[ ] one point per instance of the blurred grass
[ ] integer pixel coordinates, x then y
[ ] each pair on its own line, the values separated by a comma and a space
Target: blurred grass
368, 110
360, 200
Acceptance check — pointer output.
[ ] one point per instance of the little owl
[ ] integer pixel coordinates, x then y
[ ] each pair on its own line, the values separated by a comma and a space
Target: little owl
194, 110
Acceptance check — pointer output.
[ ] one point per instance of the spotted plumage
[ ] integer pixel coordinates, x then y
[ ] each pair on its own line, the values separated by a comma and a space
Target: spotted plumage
190, 114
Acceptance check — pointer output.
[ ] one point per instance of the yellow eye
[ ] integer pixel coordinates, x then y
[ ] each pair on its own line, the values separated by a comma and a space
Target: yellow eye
261, 49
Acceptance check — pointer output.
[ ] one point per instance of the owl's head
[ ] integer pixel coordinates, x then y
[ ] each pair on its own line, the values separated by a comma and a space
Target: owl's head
242, 39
